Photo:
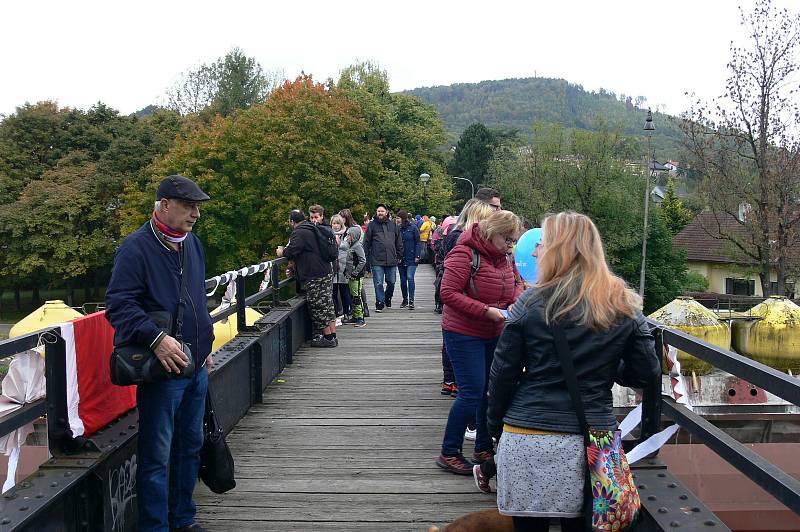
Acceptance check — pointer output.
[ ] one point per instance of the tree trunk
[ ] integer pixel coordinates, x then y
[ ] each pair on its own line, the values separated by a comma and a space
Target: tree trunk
35, 299
17, 305
765, 284
70, 294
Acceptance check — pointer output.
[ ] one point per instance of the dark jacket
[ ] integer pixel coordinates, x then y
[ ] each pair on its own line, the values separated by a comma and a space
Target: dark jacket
449, 241
412, 245
382, 243
146, 278
496, 282
538, 397
303, 249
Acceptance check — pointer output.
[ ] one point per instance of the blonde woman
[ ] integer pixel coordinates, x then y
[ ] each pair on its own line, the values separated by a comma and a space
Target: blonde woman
480, 282
540, 457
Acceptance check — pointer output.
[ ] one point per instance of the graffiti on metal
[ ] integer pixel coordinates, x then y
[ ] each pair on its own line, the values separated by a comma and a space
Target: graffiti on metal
122, 492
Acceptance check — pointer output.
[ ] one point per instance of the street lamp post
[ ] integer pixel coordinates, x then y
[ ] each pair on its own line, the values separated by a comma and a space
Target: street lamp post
649, 128
425, 178
472, 186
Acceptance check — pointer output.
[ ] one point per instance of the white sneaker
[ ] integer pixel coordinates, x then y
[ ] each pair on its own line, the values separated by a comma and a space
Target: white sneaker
338, 322
470, 434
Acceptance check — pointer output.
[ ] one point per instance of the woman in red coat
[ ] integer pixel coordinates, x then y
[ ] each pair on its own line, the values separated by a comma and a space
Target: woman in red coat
480, 281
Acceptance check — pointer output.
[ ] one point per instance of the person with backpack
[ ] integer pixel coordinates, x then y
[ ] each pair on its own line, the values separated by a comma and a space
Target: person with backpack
480, 283
473, 212
384, 249
312, 247
355, 266
412, 248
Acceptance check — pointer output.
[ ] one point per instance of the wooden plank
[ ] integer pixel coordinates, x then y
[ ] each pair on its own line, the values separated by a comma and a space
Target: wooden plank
346, 438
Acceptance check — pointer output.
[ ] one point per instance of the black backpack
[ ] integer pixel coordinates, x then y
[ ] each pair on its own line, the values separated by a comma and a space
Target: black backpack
326, 240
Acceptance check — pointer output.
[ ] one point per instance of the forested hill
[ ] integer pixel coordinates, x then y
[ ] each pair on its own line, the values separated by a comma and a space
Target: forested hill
519, 103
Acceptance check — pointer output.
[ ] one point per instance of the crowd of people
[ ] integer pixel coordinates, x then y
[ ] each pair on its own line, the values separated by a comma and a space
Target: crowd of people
499, 359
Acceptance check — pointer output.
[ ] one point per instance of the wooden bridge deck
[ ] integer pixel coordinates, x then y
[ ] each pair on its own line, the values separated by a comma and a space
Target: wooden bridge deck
347, 437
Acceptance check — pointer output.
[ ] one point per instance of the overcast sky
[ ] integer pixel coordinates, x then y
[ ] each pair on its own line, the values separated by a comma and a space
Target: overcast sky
127, 53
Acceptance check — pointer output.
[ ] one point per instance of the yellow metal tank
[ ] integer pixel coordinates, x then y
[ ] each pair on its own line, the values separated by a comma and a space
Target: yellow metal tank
227, 328
775, 338
49, 314
689, 316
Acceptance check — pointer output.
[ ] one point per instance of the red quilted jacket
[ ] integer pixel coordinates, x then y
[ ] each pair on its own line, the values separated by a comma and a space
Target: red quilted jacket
497, 283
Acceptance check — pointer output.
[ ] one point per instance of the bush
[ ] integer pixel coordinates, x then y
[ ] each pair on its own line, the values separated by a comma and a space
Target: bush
695, 282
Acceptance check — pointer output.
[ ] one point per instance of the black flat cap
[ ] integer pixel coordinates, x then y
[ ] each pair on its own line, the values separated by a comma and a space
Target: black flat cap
179, 187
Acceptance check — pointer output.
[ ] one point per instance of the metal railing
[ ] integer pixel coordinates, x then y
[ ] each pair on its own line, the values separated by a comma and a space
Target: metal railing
771, 478
65, 493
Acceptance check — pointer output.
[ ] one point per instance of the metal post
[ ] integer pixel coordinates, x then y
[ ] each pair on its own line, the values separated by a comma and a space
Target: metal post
275, 282
471, 186
241, 304
651, 396
58, 431
646, 215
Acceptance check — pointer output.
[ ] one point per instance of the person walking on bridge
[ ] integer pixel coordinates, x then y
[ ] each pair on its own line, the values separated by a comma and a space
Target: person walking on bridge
480, 282
384, 248
145, 278
412, 248
541, 460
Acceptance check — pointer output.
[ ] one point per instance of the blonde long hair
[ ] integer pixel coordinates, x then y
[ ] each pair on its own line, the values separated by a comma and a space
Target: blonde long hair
571, 265
474, 211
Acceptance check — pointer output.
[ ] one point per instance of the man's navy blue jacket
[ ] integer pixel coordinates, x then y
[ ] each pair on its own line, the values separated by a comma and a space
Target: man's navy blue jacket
146, 278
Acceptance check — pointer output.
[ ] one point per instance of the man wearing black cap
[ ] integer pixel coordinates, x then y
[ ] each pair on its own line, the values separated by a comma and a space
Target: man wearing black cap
146, 278
384, 248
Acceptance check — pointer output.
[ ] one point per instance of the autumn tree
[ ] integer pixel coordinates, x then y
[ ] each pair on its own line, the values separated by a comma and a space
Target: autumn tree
745, 143
304, 145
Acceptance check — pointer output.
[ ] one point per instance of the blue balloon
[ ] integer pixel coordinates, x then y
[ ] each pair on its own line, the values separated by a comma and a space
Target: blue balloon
523, 254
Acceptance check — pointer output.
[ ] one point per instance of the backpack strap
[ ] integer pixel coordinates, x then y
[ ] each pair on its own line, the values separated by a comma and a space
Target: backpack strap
476, 265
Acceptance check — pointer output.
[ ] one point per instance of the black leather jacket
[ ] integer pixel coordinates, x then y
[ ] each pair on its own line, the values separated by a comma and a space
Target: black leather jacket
537, 397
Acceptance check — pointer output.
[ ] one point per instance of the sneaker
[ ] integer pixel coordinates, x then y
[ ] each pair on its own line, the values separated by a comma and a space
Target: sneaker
353, 321
338, 322
481, 480
438, 308
324, 342
470, 434
404, 304
447, 388
360, 322
455, 464
480, 457
410, 305
454, 391
388, 303
378, 306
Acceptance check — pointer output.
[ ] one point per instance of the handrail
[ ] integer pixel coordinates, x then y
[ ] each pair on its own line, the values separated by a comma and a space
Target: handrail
766, 475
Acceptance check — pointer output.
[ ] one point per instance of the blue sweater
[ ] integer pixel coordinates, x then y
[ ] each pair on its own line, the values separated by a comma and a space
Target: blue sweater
412, 245
146, 278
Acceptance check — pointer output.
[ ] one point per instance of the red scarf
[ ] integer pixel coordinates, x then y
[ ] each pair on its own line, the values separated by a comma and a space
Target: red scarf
171, 234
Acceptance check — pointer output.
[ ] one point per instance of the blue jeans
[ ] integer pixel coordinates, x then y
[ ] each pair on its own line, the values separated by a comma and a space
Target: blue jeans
407, 281
471, 358
378, 274
170, 438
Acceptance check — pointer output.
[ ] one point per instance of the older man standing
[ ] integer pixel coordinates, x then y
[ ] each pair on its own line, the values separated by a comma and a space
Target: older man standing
147, 278
384, 248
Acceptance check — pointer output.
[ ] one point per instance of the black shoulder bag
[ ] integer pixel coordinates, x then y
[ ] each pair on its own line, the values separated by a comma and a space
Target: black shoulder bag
216, 462
138, 364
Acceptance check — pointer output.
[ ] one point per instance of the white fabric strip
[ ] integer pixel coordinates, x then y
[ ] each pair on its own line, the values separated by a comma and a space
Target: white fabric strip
73, 398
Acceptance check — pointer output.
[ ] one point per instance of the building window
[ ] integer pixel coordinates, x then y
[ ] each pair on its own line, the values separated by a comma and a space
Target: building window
789, 289
740, 287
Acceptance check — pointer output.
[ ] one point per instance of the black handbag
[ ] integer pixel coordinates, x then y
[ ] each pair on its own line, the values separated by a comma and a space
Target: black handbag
138, 364
216, 461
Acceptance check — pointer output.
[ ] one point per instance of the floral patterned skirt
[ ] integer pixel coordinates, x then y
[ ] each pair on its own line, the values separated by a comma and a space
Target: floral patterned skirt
540, 475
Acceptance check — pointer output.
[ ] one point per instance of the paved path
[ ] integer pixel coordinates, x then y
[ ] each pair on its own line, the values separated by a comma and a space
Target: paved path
348, 440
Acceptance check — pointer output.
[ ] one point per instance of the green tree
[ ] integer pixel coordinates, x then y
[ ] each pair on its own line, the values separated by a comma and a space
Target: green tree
408, 134
672, 211
232, 82
577, 170
471, 156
